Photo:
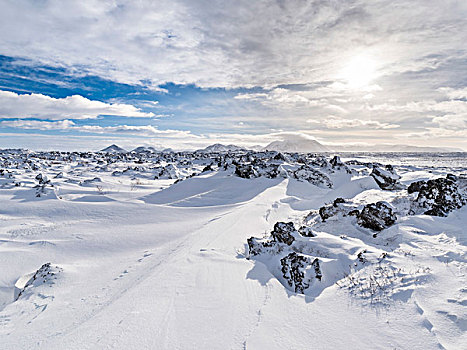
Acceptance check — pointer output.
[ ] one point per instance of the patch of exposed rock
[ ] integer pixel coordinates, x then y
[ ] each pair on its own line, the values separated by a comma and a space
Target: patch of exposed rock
45, 274
376, 216
386, 178
284, 233
338, 164
258, 169
313, 176
300, 270
437, 197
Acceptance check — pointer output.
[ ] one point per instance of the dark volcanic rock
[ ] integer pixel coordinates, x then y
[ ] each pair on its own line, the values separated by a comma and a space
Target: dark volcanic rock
42, 179
386, 178
327, 211
208, 168
376, 216
283, 232
294, 270
45, 274
306, 231
330, 210
280, 156
315, 177
256, 247
452, 177
338, 164
361, 257
259, 168
246, 171
317, 269
438, 197
416, 186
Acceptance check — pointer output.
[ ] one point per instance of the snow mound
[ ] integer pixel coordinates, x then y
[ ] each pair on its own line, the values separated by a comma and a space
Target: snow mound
26, 284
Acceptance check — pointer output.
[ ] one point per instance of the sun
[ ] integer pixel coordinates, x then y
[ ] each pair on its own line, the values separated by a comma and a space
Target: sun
359, 71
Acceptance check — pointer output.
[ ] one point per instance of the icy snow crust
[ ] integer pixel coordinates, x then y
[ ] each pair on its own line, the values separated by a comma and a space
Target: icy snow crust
232, 250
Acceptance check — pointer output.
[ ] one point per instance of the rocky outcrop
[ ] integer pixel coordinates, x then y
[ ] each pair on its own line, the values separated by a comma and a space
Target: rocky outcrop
259, 169
286, 243
338, 164
313, 176
45, 274
437, 197
283, 232
246, 171
376, 216
170, 172
44, 186
42, 179
299, 271
330, 210
386, 178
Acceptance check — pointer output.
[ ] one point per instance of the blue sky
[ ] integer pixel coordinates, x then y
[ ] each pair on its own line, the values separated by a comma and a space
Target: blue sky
185, 74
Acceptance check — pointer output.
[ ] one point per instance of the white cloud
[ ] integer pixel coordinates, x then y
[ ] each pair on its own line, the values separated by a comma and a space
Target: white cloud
454, 93
68, 125
228, 43
142, 130
13, 105
333, 122
456, 122
37, 124
295, 50
448, 106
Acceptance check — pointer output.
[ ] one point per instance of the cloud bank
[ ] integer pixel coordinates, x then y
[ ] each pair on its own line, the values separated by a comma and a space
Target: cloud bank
228, 44
375, 71
13, 105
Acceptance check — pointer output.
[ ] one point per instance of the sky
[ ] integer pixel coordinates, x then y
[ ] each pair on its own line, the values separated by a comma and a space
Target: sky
81, 75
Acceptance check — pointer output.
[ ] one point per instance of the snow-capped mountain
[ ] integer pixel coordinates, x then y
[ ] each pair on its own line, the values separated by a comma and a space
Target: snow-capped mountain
144, 149
113, 149
298, 144
220, 148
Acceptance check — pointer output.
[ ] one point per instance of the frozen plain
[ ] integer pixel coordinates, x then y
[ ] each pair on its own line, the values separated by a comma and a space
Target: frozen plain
144, 263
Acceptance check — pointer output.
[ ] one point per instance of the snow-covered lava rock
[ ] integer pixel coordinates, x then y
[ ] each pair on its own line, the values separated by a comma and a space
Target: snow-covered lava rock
377, 216
386, 177
437, 197
153, 245
46, 274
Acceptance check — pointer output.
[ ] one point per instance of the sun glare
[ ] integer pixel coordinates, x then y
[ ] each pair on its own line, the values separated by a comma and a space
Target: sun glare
359, 72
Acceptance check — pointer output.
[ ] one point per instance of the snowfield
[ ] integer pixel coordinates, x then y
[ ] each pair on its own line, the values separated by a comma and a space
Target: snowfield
236, 250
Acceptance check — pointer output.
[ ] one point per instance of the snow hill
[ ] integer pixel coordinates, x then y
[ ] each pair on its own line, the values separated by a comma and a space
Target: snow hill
113, 149
217, 147
298, 144
232, 250
144, 149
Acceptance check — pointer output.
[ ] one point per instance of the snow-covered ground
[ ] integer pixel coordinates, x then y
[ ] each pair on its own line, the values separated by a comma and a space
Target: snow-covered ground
154, 251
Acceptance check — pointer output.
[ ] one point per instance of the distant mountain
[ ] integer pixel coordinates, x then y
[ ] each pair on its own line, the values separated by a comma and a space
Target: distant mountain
143, 149
113, 149
297, 144
219, 148
256, 148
